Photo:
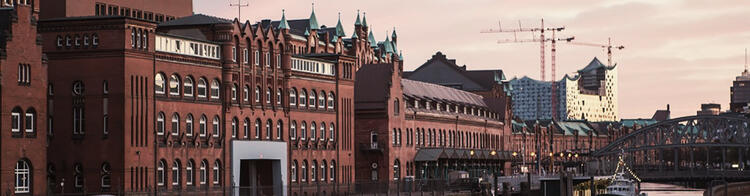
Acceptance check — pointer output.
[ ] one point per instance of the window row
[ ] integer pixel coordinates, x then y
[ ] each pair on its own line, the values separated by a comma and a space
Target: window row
139, 38
315, 131
189, 125
258, 95
260, 131
24, 74
78, 41
179, 85
446, 138
451, 107
256, 60
101, 9
188, 173
303, 99
20, 120
313, 172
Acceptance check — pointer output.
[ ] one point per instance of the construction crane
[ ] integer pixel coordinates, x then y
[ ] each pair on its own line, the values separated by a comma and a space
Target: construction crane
542, 42
609, 47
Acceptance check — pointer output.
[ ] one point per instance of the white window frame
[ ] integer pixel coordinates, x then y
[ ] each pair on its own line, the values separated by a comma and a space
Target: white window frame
203, 172
234, 54
188, 83
160, 124
22, 174
215, 126
189, 125
202, 84
16, 125
215, 86
245, 56
203, 126
175, 125
160, 176
189, 173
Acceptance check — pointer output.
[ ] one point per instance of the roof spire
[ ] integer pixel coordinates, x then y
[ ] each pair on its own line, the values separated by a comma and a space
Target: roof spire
283, 24
371, 38
357, 22
394, 32
364, 19
313, 20
340, 28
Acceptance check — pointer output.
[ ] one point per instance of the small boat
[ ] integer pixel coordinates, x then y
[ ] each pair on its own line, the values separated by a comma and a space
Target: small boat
621, 186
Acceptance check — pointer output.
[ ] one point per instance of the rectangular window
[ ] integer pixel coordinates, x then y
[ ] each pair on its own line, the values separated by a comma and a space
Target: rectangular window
234, 54
257, 57
278, 61
29, 122
78, 120
268, 59
245, 55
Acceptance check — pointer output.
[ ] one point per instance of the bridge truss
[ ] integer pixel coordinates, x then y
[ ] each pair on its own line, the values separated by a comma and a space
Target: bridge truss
692, 148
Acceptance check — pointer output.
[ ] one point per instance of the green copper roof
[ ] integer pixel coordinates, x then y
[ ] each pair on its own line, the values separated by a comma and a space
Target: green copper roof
340, 28
335, 39
354, 34
314, 20
387, 44
364, 20
394, 32
283, 24
358, 22
307, 33
373, 43
401, 55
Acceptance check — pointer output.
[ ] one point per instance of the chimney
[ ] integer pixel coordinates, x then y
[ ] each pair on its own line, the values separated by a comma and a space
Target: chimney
452, 61
667, 107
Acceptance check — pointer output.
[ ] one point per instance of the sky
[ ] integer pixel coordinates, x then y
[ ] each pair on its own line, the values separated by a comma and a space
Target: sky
677, 52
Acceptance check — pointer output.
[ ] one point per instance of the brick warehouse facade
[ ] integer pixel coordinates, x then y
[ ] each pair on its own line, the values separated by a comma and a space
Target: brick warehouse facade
418, 130
23, 90
202, 105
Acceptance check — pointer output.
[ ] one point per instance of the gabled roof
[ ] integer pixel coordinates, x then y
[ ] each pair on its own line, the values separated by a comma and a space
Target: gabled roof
580, 128
485, 79
661, 115
640, 122
196, 19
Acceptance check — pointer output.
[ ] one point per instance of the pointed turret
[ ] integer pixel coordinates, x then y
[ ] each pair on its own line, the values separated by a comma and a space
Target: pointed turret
364, 20
357, 22
394, 38
354, 35
307, 32
335, 39
371, 37
314, 20
387, 46
283, 24
401, 55
340, 28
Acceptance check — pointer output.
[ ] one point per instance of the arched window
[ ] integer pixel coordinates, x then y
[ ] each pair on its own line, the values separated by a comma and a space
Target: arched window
294, 171
189, 172
23, 177
106, 179
312, 98
176, 173
202, 125
188, 87
257, 128
314, 171
279, 130
15, 118
217, 172
333, 171
189, 125
268, 96
322, 100
303, 98
234, 127
279, 97
215, 89
331, 101
293, 97
304, 171
30, 120
234, 92
215, 127
313, 131
396, 169
322, 131
159, 83
323, 171
95, 40
303, 131
268, 129
246, 94
293, 130
202, 88
105, 87
174, 85
175, 124
160, 175
257, 94
160, 124
203, 172
331, 132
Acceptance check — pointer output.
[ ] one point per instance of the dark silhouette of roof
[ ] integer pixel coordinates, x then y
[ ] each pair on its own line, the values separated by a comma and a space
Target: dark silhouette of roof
196, 19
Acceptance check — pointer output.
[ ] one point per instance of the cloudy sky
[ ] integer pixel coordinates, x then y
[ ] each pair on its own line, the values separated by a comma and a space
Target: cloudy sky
678, 52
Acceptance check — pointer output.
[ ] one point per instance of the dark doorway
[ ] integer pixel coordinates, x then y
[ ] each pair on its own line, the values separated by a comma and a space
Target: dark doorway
260, 177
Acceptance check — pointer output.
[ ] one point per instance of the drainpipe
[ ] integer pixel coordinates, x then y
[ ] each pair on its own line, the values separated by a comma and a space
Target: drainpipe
156, 143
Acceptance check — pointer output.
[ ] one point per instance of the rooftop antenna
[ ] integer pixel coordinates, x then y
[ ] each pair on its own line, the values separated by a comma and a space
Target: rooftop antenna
239, 6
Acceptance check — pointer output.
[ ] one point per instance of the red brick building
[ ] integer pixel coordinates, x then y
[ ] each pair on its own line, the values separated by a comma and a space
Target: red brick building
200, 104
419, 130
22, 94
